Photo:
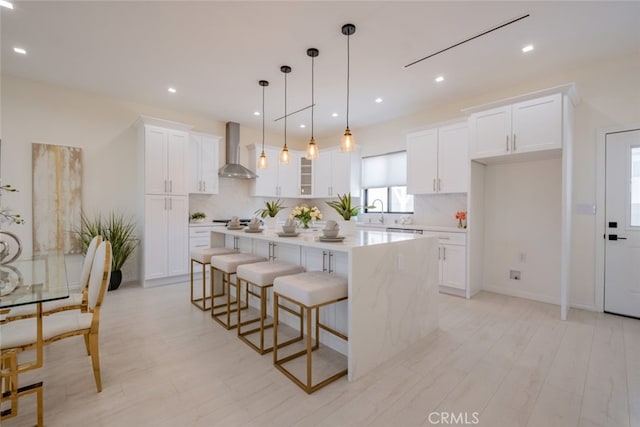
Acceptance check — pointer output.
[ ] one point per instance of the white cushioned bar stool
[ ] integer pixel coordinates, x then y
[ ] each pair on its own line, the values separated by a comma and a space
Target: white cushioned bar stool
203, 256
227, 265
310, 291
259, 278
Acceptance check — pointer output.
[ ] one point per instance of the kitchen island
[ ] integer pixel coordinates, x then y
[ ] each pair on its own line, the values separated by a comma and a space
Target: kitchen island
392, 286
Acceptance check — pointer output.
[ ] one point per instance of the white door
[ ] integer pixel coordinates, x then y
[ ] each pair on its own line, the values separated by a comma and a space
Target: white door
288, 177
340, 173
178, 162
622, 216
537, 124
322, 175
453, 266
490, 132
209, 165
155, 160
422, 162
177, 248
155, 236
453, 158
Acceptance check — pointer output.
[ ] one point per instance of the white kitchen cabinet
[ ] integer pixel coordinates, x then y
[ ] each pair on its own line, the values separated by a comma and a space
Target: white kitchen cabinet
165, 160
277, 180
306, 176
452, 266
437, 160
533, 125
203, 163
166, 236
335, 172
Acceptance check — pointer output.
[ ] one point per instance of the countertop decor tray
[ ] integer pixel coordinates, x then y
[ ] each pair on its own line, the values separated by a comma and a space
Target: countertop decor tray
288, 234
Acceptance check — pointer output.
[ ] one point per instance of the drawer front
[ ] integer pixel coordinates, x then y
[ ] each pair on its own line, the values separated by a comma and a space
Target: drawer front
448, 238
199, 242
200, 231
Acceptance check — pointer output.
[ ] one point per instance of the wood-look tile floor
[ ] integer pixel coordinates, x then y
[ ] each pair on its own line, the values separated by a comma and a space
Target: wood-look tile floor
510, 361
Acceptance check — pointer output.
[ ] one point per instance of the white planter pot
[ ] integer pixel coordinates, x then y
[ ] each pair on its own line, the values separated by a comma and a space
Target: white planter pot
272, 222
347, 228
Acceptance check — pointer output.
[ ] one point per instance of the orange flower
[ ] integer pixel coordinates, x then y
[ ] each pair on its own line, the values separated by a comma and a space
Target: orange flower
461, 215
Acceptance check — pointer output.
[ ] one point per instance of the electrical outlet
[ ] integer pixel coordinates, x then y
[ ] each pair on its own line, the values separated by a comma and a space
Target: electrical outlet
515, 275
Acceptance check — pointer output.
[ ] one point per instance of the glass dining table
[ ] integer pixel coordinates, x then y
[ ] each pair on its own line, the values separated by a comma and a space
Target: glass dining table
28, 280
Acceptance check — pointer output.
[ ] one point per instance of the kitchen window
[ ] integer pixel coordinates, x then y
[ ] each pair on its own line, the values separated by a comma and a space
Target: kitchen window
384, 181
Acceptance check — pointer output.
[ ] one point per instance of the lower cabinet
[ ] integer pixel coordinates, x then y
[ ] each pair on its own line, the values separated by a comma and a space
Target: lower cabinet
166, 243
453, 266
452, 261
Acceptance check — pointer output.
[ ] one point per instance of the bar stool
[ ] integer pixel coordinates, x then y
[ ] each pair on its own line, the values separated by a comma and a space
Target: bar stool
203, 256
310, 291
227, 265
261, 275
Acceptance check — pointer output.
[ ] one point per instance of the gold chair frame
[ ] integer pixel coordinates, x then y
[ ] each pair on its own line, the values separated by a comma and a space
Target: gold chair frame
262, 296
226, 291
201, 303
307, 386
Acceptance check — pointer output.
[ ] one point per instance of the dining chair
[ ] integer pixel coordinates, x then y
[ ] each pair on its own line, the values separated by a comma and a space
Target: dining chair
21, 334
76, 301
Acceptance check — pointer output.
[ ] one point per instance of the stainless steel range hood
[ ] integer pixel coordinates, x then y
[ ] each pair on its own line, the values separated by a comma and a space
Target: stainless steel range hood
233, 168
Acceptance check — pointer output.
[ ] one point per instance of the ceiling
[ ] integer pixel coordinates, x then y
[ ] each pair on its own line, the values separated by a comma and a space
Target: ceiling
214, 52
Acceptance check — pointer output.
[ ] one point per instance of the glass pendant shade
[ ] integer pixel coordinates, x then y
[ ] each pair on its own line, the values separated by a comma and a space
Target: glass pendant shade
312, 150
347, 143
284, 155
262, 161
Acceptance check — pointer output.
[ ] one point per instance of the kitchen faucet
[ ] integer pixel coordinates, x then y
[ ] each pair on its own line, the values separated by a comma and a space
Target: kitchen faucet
373, 204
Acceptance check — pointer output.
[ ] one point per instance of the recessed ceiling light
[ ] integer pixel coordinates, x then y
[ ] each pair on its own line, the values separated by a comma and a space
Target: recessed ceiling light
334, 115
6, 4
303, 126
378, 100
19, 50
527, 48
256, 113
440, 79
172, 89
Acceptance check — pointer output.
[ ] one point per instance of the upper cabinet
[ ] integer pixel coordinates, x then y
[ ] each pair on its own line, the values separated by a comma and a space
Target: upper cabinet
203, 163
306, 177
336, 172
437, 160
277, 180
165, 160
533, 125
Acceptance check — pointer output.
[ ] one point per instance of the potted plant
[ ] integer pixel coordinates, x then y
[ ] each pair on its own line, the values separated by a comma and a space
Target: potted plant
117, 229
346, 211
198, 217
269, 212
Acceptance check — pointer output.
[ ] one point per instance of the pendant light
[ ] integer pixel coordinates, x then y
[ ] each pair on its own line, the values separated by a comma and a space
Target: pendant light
312, 147
347, 143
262, 160
284, 154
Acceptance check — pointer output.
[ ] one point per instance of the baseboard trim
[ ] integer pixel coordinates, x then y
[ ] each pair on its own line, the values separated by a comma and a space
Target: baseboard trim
523, 294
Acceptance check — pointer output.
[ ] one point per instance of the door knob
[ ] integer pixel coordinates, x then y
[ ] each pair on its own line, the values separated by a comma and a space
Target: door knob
616, 237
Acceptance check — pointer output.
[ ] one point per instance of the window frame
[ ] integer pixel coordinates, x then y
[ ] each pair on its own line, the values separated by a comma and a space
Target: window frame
365, 198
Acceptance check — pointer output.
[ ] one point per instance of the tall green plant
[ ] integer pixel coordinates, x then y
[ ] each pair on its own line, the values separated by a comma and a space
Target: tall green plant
117, 229
271, 209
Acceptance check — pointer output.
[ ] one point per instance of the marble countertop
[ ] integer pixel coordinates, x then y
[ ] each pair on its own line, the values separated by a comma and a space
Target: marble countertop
364, 225
360, 238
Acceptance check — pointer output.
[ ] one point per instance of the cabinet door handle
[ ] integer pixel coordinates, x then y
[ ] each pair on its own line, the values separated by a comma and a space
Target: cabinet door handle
170, 186
439, 185
330, 262
444, 254
273, 254
439, 253
507, 143
324, 261
434, 184
170, 204
514, 142
204, 185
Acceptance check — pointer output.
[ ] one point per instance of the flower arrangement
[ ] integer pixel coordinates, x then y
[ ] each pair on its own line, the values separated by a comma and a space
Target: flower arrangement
305, 214
461, 216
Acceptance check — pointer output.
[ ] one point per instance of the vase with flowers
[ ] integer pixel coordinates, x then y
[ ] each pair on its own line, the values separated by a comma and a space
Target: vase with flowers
305, 215
461, 216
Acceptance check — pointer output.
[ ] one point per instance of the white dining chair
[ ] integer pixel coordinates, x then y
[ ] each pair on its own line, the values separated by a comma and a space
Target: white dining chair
21, 334
76, 301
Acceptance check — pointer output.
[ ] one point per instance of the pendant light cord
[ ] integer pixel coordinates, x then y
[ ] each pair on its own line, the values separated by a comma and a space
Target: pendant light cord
348, 67
313, 102
262, 119
285, 110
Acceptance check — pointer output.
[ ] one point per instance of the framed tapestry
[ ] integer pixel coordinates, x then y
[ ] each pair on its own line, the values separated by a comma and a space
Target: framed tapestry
57, 198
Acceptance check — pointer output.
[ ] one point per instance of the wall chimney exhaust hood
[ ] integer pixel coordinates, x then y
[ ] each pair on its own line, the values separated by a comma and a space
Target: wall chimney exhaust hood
233, 168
